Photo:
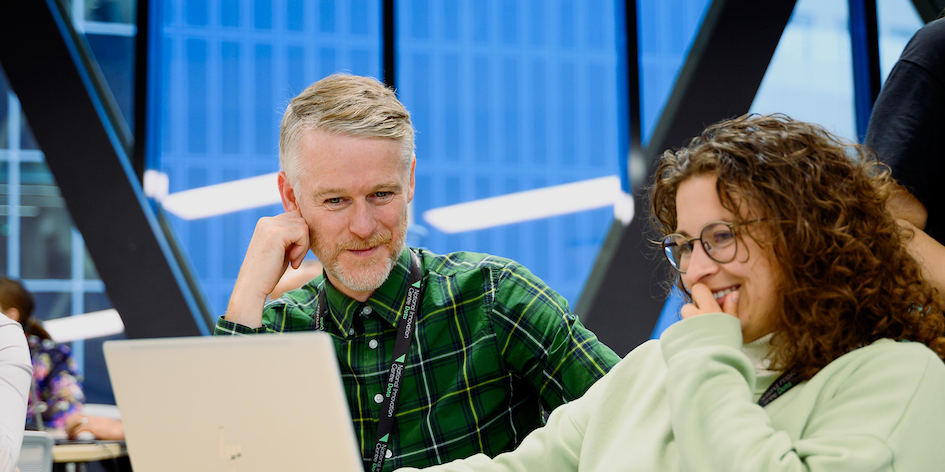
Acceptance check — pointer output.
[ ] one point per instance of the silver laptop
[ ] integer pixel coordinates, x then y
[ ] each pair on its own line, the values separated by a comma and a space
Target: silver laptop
240, 403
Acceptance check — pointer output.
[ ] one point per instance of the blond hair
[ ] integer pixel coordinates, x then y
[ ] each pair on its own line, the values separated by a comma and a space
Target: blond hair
348, 105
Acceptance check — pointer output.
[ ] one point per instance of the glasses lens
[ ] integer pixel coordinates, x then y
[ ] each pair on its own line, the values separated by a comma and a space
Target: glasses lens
678, 250
719, 242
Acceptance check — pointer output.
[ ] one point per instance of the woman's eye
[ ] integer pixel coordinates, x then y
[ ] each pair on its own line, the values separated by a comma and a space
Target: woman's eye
723, 236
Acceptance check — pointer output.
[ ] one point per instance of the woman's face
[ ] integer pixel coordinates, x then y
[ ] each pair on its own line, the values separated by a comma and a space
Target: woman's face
753, 273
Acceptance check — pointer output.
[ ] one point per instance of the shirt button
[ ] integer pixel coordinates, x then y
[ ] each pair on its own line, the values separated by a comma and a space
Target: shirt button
389, 454
367, 310
372, 343
378, 398
351, 332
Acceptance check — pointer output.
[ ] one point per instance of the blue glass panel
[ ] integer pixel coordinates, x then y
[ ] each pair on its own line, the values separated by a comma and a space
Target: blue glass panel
230, 96
295, 75
666, 32
509, 22
229, 13
898, 21
810, 77
265, 112
197, 13
262, 14
360, 14
228, 70
295, 12
196, 96
449, 20
510, 96
326, 16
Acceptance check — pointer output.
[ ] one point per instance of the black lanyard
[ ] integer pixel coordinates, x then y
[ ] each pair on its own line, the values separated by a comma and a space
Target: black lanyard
784, 383
405, 329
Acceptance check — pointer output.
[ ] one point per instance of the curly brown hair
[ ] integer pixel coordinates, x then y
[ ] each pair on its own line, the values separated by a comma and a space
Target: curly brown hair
847, 278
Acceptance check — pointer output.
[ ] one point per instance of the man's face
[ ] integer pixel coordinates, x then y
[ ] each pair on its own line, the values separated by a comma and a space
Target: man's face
353, 194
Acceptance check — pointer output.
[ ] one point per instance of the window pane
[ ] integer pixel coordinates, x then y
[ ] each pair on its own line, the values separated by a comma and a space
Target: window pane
810, 77
898, 21
666, 32
509, 96
229, 68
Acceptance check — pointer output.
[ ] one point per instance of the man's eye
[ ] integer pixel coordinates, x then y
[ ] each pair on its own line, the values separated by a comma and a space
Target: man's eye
333, 201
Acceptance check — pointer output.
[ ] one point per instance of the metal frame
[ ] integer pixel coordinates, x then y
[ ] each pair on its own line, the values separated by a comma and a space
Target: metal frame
389, 42
87, 148
728, 59
864, 40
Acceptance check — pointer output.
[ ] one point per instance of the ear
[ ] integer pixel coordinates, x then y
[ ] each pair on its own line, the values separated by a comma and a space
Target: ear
413, 167
289, 202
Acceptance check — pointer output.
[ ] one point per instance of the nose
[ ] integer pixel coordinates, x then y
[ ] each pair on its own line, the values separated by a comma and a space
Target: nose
363, 222
701, 266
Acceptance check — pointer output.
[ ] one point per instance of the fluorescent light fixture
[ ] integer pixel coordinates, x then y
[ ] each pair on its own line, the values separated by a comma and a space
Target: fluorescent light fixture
532, 205
90, 325
156, 184
224, 198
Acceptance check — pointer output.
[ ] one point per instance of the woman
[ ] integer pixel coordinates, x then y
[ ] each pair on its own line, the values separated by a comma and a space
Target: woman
57, 389
14, 389
811, 341
56, 396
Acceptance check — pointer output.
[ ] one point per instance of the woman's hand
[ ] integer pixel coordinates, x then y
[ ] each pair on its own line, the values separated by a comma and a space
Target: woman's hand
107, 429
703, 302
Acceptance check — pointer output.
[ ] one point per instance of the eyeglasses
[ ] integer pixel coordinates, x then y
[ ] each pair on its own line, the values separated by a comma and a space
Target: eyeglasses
717, 238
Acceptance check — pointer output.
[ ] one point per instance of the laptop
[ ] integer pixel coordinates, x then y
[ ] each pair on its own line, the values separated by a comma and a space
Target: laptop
235, 403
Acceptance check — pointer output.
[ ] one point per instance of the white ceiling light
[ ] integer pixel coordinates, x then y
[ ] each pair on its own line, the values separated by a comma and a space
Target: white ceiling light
224, 198
90, 325
532, 205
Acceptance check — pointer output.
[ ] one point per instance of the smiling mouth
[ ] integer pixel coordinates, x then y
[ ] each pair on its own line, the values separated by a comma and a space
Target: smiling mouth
722, 293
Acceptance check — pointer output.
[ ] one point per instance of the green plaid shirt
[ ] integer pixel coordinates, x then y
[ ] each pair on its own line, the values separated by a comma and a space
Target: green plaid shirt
493, 347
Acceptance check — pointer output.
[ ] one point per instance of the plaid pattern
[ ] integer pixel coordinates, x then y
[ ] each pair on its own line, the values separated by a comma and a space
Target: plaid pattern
494, 346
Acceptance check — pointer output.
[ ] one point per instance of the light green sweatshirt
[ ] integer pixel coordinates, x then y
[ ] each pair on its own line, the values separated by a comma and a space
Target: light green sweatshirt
688, 403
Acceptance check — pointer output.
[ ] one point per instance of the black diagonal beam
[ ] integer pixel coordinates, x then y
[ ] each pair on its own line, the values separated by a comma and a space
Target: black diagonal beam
719, 79
87, 150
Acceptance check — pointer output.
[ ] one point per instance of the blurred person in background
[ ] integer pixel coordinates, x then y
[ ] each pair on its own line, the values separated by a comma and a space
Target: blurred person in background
906, 132
810, 342
15, 371
56, 396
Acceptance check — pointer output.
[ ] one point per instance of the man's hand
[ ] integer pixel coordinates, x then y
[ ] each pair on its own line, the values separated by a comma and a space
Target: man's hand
277, 242
703, 302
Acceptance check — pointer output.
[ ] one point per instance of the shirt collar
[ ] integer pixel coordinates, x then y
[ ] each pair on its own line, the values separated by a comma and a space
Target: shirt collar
386, 302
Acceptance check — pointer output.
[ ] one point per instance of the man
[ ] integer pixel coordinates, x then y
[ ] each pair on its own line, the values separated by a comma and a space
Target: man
905, 130
443, 356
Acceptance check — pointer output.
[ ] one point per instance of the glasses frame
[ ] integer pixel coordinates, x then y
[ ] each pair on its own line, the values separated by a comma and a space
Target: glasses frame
731, 226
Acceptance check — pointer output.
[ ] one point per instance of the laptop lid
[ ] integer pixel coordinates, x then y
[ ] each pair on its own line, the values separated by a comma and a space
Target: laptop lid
235, 403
